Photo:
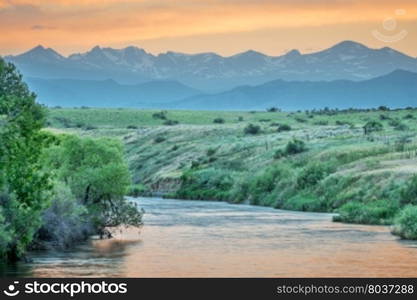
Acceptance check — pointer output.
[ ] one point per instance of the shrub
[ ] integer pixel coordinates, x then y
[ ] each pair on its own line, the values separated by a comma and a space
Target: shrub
284, 127
160, 115
372, 126
393, 122
321, 123
312, 174
175, 148
262, 185
409, 193
343, 123
240, 119
252, 129
159, 139
273, 109
218, 121
383, 117
195, 164
303, 202
401, 127
279, 153
377, 212
137, 190
300, 120
132, 127
405, 224
295, 146
206, 184
89, 127
383, 108
211, 151
171, 122
64, 222
409, 116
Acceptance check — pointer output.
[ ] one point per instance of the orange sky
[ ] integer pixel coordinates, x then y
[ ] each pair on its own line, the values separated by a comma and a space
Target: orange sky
222, 26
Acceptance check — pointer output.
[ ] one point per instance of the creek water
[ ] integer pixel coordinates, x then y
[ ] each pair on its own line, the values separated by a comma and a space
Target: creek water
215, 239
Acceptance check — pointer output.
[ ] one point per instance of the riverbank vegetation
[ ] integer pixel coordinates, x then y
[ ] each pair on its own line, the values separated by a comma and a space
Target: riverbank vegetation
54, 189
358, 163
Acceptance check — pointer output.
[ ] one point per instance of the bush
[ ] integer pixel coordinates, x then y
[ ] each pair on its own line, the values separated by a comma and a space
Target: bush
394, 123
211, 152
160, 115
240, 119
376, 213
409, 116
132, 127
252, 129
273, 109
137, 190
303, 202
372, 126
383, 117
401, 127
321, 123
171, 122
405, 224
159, 139
343, 123
409, 193
279, 154
284, 127
300, 120
312, 175
65, 222
89, 127
206, 184
295, 146
218, 121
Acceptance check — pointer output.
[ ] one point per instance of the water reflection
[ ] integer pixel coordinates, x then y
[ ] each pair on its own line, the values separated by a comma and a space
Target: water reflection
214, 239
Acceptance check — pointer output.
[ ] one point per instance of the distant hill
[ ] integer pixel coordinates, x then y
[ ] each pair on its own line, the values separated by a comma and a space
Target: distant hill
107, 93
211, 72
397, 89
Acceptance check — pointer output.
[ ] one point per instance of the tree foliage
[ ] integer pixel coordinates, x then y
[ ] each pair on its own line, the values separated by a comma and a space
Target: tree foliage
24, 187
98, 176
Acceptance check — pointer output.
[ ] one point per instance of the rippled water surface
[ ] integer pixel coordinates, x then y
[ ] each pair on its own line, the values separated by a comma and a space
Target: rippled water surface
215, 239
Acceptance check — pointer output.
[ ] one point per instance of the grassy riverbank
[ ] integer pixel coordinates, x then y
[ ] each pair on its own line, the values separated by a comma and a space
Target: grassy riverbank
311, 161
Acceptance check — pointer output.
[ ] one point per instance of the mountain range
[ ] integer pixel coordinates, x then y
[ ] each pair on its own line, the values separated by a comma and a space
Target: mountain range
396, 90
107, 93
132, 77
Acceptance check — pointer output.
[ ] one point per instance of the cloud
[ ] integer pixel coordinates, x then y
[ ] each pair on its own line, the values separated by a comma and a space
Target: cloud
42, 27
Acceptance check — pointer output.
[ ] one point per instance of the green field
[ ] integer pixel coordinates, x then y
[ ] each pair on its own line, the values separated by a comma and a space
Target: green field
364, 177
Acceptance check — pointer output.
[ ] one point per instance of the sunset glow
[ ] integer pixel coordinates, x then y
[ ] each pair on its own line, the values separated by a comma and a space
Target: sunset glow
226, 27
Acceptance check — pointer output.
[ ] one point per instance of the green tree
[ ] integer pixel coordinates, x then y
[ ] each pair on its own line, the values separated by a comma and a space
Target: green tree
24, 187
99, 178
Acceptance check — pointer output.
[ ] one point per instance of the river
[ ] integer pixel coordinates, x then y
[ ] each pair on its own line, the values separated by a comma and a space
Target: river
216, 239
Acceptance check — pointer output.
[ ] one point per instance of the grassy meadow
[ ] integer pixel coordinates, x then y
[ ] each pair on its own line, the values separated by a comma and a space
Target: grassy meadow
358, 163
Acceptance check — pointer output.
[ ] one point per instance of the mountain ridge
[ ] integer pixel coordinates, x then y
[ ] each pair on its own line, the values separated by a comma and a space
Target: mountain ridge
397, 89
211, 72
